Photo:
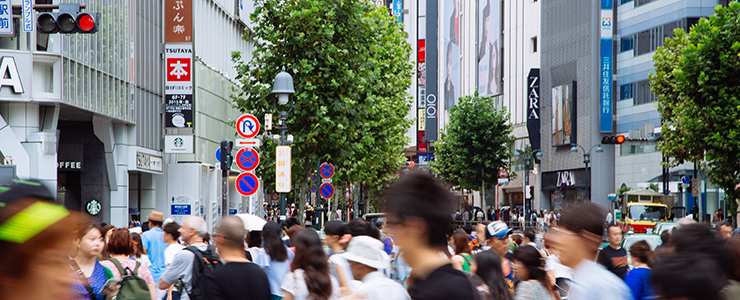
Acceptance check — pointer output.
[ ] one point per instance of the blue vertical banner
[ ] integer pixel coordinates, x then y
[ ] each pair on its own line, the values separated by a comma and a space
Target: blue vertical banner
27, 15
398, 10
6, 17
605, 67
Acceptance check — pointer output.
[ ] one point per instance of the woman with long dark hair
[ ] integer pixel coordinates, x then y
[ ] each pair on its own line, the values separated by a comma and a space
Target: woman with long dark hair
274, 258
529, 267
489, 269
139, 253
462, 259
309, 277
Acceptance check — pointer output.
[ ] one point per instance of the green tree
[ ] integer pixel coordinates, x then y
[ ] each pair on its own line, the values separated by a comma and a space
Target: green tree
695, 81
474, 145
350, 68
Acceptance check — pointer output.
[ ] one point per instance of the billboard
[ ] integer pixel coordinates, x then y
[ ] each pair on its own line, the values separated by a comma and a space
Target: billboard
489, 41
452, 52
564, 114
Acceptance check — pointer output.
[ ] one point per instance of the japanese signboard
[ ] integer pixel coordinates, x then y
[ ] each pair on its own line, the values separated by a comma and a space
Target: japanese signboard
178, 21
179, 85
6, 18
605, 67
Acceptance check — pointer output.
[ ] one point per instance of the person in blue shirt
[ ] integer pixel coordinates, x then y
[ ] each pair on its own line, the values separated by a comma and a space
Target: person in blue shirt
638, 279
154, 246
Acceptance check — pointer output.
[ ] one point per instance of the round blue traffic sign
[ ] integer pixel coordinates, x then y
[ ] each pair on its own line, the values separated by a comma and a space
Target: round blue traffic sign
218, 154
313, 188
327, 190
247, 184
326, 170
247, 159
685, 179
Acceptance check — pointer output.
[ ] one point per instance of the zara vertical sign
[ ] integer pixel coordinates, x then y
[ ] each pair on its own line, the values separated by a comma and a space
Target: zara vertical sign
533, 107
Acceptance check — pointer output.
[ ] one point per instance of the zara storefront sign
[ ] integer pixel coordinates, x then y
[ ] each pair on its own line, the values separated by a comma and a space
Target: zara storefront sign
566, 178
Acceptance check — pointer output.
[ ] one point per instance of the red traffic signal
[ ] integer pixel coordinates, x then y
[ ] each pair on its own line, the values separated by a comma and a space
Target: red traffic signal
612, 139
69, 19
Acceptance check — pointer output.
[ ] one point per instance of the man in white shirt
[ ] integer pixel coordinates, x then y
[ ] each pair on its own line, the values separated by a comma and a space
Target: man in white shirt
192, 231
365, 256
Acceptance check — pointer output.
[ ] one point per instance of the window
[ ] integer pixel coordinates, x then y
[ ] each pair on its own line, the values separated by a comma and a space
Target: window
626, 44
625, 91
643, 2
626, 1
534, 44
643, 93
643, 42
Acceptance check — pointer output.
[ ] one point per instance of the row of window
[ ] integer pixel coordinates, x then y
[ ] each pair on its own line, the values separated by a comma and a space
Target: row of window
639, 92
649, 40
638, 2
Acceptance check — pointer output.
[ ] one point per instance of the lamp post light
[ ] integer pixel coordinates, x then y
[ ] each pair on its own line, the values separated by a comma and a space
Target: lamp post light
527, 166
586, 161
283, 89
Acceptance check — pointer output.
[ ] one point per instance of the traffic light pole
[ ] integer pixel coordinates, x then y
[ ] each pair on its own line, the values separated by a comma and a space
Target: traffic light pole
226, 158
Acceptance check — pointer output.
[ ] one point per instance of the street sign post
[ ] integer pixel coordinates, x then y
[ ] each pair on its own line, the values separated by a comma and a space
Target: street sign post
326, 170
327, 190
275, 196
282, 169
247, 126
247, 184
247, 159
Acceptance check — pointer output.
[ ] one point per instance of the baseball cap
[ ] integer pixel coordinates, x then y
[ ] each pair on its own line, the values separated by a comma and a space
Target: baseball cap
497, 229
367, 251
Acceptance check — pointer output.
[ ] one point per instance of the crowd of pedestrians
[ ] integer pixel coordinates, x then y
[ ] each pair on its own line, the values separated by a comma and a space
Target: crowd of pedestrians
52, 253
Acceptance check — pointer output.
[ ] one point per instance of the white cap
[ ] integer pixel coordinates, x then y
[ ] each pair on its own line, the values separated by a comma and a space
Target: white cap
367, 251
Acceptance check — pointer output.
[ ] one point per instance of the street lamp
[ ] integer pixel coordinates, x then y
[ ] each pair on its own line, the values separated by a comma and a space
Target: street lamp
586, 161
527, 166
283, 89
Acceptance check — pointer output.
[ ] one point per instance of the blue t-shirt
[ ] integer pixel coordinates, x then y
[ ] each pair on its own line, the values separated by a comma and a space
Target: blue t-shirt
154, 243
97, 281
638, 280
275, 270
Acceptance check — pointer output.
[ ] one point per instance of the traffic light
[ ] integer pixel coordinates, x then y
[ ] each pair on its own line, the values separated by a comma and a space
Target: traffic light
530, 192
226, 157
612, 139
69, 19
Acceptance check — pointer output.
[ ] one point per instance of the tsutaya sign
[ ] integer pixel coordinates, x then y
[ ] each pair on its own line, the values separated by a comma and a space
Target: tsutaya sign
9, 76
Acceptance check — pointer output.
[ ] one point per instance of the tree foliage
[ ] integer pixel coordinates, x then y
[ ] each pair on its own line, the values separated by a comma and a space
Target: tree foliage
350, 68
695, 80
474, 145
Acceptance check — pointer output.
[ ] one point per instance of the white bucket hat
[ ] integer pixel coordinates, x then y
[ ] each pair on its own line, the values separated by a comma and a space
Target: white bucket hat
367, 251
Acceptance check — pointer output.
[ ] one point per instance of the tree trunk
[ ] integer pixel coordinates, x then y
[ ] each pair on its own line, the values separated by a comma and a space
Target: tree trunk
483, 191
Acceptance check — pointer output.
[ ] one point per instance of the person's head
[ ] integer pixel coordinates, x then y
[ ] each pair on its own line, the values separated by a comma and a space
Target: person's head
460, 242
480, 231
468, 229
724, 230
107, 230
697, 239
336, 234
121, 242
171, 233
687, 277
292, 231
579, 234
529, 236
310, 257
516, 239
614, 235
290, 222
641, 253
665, 237
230, 234
192, 229
497, 237
419, 210
89, 240
156, 218
365, 255
489, 269
35, 260
529, 264
254, 238
138, 247
359, 227
273, 243
732, 247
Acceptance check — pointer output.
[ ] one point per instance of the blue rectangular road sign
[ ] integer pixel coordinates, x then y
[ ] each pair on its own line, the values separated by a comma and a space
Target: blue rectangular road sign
6, 17
180, 209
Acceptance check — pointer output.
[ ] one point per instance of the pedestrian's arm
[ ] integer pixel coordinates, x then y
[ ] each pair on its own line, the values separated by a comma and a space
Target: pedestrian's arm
179, 266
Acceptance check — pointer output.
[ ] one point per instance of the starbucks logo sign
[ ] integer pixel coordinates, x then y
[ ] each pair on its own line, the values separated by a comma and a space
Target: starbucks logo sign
93, 207
179, 142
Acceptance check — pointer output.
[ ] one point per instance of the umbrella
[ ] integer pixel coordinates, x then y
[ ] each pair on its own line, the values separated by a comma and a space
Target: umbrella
252, 222
133, 211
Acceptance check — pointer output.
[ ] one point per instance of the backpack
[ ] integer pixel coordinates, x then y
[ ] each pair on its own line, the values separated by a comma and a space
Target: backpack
204, 263
133, 287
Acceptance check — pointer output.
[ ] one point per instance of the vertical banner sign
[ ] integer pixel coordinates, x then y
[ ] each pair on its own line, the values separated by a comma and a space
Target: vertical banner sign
178, 36
431, 104
398, 10
421, 143
489, 45
27, 15
451, 53
282, 169
605, 122
6, 18
533, 107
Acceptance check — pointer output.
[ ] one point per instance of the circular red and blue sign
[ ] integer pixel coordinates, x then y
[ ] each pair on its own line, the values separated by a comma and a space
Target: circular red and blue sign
313, 188
247, 126
326, 170
247, 159
247, 184
327, 190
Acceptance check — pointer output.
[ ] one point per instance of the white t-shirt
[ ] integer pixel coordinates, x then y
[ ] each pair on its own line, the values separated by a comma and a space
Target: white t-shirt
295, 284
170, 251
182, 268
